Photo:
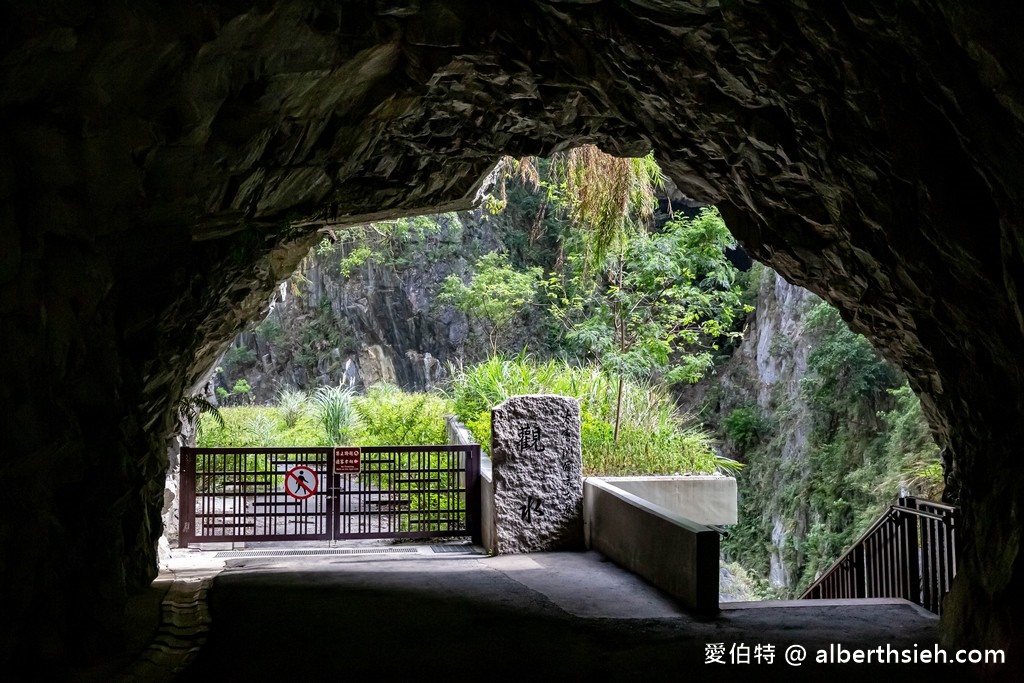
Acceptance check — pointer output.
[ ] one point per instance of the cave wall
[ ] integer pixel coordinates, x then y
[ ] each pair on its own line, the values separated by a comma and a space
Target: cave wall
163, 165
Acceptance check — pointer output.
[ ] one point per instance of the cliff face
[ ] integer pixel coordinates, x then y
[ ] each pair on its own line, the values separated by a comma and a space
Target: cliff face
361, 310
164, 165
765, 371
828, 430
371, 322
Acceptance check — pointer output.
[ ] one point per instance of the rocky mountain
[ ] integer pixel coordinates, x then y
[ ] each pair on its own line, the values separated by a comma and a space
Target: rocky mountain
828, 429
363, 307
335, 322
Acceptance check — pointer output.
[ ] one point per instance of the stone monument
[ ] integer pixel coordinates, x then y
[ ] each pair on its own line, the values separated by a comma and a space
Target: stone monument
538, 474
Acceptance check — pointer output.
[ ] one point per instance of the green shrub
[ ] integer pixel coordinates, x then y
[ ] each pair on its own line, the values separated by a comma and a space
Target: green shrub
745, 427
389, 416
238, 357
653, 436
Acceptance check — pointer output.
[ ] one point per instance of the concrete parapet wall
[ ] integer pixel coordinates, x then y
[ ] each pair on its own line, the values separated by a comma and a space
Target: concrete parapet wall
488, 518
674, 553
704, 499
458, 435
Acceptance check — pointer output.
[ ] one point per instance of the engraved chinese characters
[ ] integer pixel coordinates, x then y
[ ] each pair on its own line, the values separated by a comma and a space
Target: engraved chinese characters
538, 482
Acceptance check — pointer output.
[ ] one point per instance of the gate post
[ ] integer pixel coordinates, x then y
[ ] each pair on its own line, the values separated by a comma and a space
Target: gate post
474, 491
186, 496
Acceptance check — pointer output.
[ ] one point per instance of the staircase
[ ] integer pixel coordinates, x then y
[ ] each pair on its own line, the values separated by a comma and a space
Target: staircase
911, 552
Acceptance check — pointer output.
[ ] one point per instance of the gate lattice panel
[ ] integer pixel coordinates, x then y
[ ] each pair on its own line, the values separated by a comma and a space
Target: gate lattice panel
275, 494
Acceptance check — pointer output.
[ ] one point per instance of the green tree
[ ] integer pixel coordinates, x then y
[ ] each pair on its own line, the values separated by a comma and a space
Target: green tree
663, 302
642, 303
611, 199
496, 293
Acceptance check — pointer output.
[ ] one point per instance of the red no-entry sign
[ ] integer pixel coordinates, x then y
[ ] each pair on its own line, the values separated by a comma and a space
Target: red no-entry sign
301, 482
347, 460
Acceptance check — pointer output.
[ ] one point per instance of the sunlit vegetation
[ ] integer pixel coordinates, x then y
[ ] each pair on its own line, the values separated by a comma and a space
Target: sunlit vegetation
868, 443
622, 308
654, 438
384, 415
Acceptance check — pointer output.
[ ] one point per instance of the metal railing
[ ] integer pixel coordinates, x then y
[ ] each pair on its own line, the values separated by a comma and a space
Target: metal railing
911, 552
275, 494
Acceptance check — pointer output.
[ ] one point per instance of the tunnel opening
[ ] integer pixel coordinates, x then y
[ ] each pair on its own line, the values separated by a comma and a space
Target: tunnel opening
156, 158
363, 310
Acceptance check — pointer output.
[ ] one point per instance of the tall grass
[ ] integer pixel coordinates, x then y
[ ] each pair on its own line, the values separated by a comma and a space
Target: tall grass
384, 416
335, 412
654, 438
391, 417
257, 426
292, 405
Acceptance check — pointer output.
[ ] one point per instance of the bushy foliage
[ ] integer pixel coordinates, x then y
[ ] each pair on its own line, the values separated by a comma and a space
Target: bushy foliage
662, 305
389, 416
654, 438
745, 427
496, 293
844, 370
240, 392
238, 356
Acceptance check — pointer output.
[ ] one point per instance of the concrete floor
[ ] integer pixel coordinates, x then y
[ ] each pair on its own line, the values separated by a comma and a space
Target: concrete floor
467, 617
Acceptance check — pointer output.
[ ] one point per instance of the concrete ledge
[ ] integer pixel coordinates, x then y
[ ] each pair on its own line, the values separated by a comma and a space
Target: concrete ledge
674, 553
458, 435
488, 515
705, 499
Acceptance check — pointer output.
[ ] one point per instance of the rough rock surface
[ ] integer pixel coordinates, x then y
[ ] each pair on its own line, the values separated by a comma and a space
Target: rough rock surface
538, 474
380, 321
164, 165
775, 347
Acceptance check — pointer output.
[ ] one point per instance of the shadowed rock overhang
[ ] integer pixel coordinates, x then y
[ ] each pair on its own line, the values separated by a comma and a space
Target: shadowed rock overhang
164, 165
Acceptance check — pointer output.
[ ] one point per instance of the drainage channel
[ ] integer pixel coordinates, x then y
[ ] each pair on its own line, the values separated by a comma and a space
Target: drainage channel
305, 552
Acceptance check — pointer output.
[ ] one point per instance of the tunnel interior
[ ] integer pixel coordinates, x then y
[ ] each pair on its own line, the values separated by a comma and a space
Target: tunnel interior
164, 166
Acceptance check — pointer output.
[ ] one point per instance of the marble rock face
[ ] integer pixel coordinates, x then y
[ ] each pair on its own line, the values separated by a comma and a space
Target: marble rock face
538, 474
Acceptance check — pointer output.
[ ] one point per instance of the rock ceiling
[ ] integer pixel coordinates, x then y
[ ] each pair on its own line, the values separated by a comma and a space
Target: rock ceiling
163, 165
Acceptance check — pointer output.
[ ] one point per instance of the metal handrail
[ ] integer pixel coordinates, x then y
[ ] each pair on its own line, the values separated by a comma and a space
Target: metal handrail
910, 552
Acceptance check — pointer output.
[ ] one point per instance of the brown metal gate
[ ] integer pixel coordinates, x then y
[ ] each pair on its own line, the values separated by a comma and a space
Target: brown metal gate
277, 494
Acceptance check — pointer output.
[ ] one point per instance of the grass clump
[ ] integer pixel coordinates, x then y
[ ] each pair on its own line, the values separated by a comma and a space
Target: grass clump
391, 417
333, 416
292, 406
654, 438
